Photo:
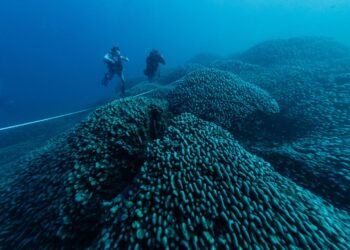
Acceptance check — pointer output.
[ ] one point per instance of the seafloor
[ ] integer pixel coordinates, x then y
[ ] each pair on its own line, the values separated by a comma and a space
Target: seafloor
250, 151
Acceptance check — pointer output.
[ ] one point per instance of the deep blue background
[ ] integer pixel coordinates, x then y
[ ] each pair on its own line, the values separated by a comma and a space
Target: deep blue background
51, 51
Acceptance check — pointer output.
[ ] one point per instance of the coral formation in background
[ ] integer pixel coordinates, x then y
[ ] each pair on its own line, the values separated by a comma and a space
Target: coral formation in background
221, 97
293, 50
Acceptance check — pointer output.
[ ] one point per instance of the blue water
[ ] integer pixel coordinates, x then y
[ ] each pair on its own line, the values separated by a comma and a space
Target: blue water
51, 51
246, 148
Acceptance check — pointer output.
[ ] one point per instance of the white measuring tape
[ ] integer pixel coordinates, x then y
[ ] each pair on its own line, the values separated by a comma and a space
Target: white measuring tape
43, 120
60, 116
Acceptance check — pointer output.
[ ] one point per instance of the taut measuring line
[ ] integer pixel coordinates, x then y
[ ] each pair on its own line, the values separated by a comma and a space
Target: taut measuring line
43, 120
60, 116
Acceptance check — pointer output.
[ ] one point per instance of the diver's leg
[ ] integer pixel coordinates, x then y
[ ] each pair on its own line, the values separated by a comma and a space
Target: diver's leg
122, 80
105, 80
108, 77
151, 76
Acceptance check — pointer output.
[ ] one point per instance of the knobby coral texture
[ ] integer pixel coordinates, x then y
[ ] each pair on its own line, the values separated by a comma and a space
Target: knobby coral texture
199, 189
56, 197
245, 152
294, 50
309, 139
221, 97
108, 151
30, 201
322, 159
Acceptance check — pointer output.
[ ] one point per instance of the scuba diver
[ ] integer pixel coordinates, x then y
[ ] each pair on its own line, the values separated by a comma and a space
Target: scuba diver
152, 63
114, 61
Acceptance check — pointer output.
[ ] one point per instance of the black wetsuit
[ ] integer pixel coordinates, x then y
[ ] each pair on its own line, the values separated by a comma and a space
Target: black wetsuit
115, 68
152, 64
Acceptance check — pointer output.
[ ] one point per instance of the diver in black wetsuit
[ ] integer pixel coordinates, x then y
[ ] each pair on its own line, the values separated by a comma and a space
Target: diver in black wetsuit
152, 63
114, 61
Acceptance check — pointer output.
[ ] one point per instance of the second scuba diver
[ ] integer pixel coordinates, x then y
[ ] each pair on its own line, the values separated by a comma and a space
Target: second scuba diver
152, 63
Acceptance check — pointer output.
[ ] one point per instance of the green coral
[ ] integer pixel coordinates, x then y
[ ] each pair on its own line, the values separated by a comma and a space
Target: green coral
55, 197
122, 180
325, 159
30, 201
199, 189
294, 50
108, 151
220, 97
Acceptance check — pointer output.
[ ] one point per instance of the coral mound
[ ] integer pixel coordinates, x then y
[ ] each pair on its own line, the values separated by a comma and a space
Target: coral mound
290, 51
322, 158
30, 201
108, 151
175, 74
163, 173
199, 189
221, 97
56, 200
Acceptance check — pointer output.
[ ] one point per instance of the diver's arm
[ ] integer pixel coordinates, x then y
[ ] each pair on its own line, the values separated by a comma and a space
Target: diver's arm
161, 59
124, 58
107, 58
